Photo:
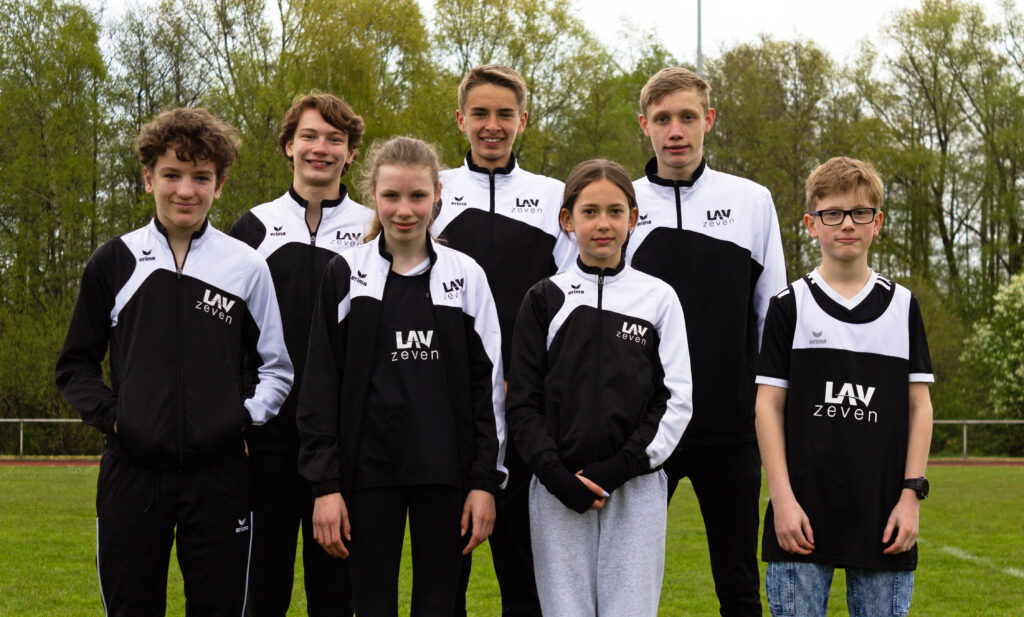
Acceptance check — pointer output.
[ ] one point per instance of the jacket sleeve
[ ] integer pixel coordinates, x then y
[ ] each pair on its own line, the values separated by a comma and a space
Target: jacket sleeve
668, 413
318, 414
274, 373
249, 229
487, 388
773, 262
79, 367
526, 411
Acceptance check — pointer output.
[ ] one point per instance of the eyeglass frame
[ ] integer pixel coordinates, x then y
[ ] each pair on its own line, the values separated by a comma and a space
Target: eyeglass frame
846, 213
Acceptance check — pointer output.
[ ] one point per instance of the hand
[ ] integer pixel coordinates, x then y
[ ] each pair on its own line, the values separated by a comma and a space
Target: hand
793, 528
480, 510
904, 520
595, 489
330, 524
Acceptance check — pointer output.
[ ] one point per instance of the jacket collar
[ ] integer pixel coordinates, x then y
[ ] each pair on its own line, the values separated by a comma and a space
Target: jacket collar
592, 272
327, 203
387, 259
651, 171
508, 169
195, 234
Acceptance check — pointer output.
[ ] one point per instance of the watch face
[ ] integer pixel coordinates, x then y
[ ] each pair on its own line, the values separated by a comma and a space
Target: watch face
923, 491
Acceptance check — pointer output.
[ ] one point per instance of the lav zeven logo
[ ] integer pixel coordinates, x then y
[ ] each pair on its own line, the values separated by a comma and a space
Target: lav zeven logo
527, 206
277, 231
415, 346
215, 305
575, 289
719, 218
643, 220
856, 397
457, 200
347, 238
633, 332
359, 277
453, 289
816, 338
147, 255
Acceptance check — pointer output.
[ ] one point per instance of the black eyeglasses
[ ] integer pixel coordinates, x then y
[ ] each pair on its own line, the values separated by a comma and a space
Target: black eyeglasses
835, 217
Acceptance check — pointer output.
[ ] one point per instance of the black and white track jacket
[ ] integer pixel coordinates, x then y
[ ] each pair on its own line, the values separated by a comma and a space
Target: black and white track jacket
716, 241
341, 345
297, 258
507, 220
600, 379
177, 342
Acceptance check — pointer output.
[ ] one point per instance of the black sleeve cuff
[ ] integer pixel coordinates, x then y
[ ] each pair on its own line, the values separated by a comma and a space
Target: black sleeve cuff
567, 488
319, 489
612, 473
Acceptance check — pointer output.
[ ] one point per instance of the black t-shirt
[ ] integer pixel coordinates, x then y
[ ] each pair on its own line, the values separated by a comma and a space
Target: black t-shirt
408, 435
846, 365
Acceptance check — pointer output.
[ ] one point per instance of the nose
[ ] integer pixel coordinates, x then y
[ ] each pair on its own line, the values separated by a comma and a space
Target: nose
320, 145
492, 122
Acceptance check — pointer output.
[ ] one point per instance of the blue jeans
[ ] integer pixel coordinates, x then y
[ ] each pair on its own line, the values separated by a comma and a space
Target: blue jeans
798, 589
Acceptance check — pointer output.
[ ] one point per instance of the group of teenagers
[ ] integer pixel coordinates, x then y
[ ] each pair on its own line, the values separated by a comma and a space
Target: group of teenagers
485, 353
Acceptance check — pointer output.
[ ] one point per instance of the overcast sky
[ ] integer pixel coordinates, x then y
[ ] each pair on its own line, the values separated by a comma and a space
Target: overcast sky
836, 26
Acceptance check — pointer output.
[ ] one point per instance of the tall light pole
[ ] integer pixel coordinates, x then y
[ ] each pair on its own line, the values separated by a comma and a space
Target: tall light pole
700, 55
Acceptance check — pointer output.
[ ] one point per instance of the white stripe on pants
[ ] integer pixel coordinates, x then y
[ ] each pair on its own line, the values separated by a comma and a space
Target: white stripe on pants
602, 563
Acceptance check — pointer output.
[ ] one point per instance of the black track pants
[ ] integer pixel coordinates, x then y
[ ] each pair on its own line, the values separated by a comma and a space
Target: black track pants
281, 503
141, 511
378, 518
727, 482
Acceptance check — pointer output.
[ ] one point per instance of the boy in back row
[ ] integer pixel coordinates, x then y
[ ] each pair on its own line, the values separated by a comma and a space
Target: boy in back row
843, 438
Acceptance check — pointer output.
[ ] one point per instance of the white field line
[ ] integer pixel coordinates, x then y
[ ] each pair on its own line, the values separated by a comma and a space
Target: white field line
981, 561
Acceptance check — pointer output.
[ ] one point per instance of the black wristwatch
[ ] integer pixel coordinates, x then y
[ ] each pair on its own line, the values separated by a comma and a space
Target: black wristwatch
918, 485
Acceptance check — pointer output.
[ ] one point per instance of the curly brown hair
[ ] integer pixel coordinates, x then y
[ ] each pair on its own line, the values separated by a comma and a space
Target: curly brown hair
194, 134
335, 111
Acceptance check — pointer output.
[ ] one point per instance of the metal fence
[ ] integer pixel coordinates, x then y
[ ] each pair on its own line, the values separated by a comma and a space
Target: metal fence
21, 427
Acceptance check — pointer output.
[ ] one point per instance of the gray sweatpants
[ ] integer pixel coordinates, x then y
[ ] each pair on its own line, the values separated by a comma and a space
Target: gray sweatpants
602, 563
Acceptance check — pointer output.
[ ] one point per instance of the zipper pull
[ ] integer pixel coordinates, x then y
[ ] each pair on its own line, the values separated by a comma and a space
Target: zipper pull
179, 273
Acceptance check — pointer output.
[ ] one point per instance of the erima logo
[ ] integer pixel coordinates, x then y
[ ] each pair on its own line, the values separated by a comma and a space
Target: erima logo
146, 255
347, 238
718, 218
359, 277
575, 289
856, 397
215, 305
816, 338
633, 332
457, 200
527, 206
241, 525
415, 346
277, 231
643, 220
453, 289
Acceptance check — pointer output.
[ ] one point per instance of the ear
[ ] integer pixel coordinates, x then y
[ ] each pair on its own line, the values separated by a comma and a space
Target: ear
522, 123
288, 150
709, 120
220, 187
565, 218
460, 120
147, 177
352, 154
877, 225
643, 124
634, 214
809, 224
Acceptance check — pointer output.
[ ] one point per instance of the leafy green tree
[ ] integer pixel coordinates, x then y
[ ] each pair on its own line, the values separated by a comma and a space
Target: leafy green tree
995, 348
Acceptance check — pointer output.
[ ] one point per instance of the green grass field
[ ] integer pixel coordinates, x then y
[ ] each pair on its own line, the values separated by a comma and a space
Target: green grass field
971, 549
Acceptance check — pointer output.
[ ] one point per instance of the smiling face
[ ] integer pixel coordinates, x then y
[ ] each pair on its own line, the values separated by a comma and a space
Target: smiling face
405, 197
847, 241
491, 119
183, 191
676, 124
602, 220
319, 152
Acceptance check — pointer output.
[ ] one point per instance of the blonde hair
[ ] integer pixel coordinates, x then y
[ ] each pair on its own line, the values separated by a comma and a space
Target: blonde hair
401, 152
840, 175
670, 79
497, 74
